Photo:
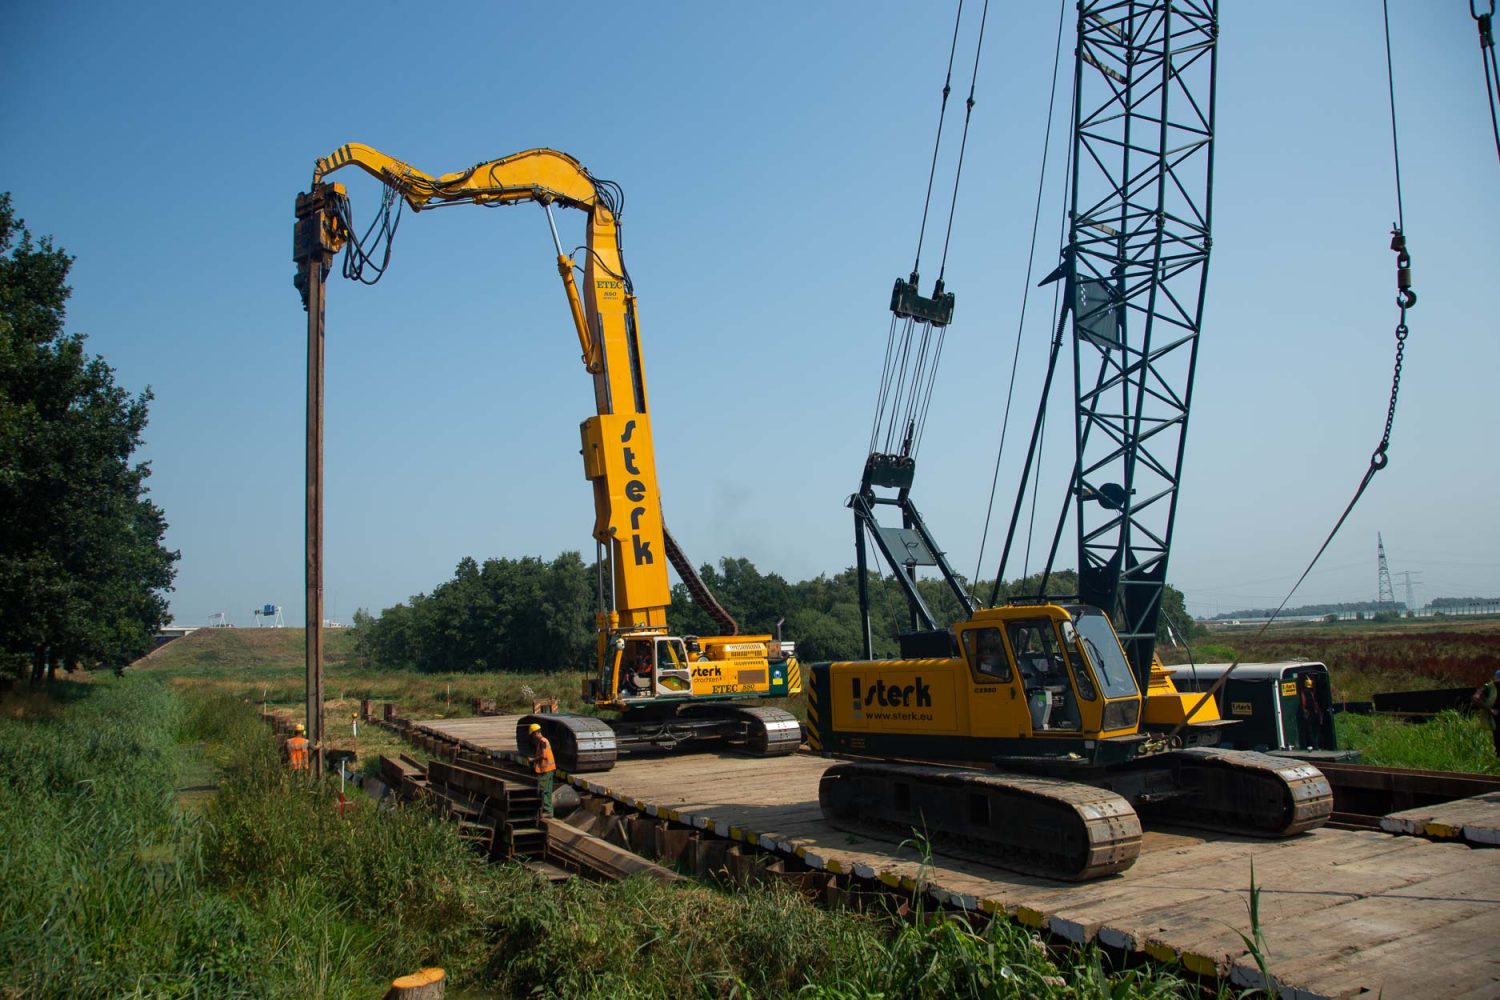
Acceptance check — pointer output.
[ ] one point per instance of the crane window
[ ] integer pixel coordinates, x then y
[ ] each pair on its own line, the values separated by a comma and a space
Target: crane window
1098, 639
1083, 681
672, 673
1038, 656
986, 652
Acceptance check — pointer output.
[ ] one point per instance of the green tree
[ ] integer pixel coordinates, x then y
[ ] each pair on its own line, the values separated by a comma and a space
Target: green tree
520, 615
83, 573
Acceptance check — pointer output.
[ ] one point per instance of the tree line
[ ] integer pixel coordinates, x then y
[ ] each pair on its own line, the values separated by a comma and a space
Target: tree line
83, 573
529, 615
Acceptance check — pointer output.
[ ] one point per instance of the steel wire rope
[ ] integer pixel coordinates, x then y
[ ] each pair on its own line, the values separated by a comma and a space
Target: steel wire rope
885, 381
1379, 459
1025, 288
938, 141
919, 422
902, 368
887, 374
937, 359
1036, 485
914, 401
916, 375
1390, 81
1486, 25
1042, 437
964, 139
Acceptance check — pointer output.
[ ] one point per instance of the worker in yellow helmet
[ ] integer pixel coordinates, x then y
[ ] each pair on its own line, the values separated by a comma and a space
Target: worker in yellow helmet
295, 749
543, 764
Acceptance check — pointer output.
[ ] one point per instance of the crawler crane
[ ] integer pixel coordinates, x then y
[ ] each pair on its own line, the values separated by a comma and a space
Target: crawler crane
666, 690
1028, 732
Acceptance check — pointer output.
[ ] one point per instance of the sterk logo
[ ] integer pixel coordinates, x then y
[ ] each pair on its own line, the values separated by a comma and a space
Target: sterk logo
914, 695
635, 492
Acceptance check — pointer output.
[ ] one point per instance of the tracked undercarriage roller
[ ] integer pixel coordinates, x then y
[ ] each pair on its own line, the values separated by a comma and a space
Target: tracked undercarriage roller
1073, 829
580, 743
1042, 826
584, 744
1239, 791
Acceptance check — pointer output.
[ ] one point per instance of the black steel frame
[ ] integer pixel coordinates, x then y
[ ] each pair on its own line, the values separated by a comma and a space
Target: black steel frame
866, 523
1136, 267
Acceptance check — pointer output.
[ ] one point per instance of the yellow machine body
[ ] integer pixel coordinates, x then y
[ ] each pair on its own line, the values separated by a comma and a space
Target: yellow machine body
1048, 675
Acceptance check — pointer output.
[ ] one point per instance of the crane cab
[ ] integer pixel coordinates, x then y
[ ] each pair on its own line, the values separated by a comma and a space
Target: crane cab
637, 668
1039, 680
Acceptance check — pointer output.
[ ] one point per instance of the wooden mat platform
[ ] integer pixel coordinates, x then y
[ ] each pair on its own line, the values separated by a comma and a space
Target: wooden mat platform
1344, 913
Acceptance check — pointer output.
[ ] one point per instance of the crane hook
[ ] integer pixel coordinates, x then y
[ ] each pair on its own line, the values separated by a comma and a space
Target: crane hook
1405, 297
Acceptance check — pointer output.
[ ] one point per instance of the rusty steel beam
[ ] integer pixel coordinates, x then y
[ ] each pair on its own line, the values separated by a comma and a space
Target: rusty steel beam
313, 251
587, 853
1364, 790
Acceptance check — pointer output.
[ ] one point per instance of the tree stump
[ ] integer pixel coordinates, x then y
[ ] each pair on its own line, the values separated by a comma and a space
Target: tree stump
424, 985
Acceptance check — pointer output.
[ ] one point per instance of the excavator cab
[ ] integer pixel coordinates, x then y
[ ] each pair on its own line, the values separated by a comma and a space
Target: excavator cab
642, 667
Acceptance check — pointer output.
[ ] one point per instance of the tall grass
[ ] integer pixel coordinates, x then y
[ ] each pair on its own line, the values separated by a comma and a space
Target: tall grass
105, 885
91, 840
1451, 741
107, 888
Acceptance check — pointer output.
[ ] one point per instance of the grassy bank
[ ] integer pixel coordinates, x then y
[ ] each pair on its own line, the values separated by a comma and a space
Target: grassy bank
267, 666
1450, 742
108, 887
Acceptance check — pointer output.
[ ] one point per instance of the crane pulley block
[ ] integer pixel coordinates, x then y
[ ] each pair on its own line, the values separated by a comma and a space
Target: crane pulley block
908, 303
891, 471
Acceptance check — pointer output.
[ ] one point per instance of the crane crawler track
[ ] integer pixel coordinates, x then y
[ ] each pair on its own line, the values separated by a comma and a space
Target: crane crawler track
1038, 826
580, 743
1240, 791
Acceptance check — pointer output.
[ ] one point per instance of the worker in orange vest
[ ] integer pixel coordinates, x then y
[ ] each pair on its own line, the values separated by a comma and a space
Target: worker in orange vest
295, 750
543, 764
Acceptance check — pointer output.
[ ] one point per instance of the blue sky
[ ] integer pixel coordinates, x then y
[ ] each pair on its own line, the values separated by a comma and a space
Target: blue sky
773, 158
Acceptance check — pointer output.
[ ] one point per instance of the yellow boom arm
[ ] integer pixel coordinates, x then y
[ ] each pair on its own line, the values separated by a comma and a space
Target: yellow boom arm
618, 454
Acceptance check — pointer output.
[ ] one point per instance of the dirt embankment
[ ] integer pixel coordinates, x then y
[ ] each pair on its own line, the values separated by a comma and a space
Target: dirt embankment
242, 647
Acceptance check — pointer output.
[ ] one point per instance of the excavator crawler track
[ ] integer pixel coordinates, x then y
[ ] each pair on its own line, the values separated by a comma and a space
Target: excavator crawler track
1039, 826
1239, 791
772, 732
757, 732
581, 743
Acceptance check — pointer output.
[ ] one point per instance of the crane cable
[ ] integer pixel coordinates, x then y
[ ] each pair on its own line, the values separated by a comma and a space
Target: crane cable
964, 139
1486, 25
912, 356
893, 377
938, 142
1379, 459
918, 419
1036, 216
